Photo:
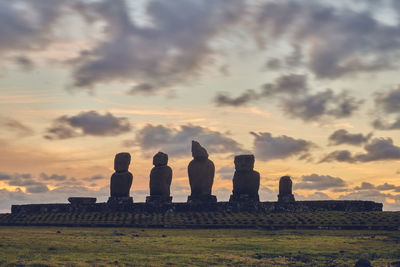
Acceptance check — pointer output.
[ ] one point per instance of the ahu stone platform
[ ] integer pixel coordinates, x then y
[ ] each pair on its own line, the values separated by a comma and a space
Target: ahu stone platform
269, 207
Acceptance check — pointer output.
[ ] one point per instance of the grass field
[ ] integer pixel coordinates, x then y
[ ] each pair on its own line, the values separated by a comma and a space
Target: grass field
49, 246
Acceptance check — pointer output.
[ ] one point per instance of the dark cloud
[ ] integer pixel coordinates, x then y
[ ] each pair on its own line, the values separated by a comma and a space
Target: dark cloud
224, 70
37, 188
319, 182
4, 176
380, 149
365, 186
38, 194
24, 180
383, 124
339, 155
53, 177
342, 136
389, 101
143, 88
291, 84
339, 40
371, 195
226, 173
267, 147
313, 196
389, 104
295, 99
386, 187
94, 178
28, 25
223, 99
377, 149
273, 64
24, 62
87, 123
172, 49
17, 127
177, 141
320, 105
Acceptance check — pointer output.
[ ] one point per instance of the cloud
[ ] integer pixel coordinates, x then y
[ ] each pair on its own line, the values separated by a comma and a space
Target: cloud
380, 149
291, 84
339, 40
389, 104
342, 136
28, 25
18, 128
173, 48
87, 123
339, 155
377, 149
383, 124
319, 182
143, 88
226, 173
369, 195
24, 180
36, 195
267, 147
53, 177
365, 186
176, 141
320, 105
24, 62
389, 101
273, 64
223, 98
295, 99
313, 196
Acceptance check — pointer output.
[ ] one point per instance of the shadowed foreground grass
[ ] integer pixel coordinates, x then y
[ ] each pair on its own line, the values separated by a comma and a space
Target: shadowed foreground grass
177, 247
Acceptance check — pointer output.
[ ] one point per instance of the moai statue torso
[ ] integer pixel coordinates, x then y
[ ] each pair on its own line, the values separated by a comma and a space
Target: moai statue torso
201, 171
246, 181
121, 180
285, 190
160, 176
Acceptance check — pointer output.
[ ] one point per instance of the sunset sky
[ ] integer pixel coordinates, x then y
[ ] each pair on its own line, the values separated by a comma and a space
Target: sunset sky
311, 88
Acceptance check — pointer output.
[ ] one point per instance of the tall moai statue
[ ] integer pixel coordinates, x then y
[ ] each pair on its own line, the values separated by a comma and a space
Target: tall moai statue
121, 180
201, 172
160, 180
285, 190
246, 181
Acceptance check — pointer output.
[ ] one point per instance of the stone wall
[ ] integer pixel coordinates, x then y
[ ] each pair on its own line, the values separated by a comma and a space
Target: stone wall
298, 206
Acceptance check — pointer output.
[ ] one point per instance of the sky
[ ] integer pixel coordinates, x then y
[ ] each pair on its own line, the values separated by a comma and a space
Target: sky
311, 88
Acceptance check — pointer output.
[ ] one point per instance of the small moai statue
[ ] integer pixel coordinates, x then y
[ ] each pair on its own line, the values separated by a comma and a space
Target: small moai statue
201, 173
285, 190
121, 180
246, 181
160, 180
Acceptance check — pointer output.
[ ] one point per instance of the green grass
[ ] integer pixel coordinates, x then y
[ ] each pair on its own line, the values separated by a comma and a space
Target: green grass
49, 246
220, 219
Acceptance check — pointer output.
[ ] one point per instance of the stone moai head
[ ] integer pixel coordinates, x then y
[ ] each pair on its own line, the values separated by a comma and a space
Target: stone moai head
198, 152
160, 159
285, 185
244, 162
122, 161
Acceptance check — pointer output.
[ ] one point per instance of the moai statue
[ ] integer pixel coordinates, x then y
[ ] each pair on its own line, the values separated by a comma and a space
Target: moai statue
285, 190
160, 180
201, 172
121, 180
246, 181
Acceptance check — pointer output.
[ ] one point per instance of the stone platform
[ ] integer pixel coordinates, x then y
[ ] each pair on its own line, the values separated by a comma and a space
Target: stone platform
298, 206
